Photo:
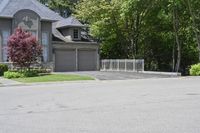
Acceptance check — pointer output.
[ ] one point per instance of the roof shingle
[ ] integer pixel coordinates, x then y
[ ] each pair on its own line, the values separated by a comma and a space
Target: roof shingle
9, 7
69, 22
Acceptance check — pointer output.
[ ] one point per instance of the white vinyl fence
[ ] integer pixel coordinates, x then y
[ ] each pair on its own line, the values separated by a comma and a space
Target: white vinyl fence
133, 65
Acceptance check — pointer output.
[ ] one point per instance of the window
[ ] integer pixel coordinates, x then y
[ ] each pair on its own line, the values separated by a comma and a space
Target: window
45, 46
76, 34
5, 36
33, 32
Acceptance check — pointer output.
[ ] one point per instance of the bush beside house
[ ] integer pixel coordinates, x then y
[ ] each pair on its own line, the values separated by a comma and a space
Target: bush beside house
24, 51
20, 74
195, 70
3, 68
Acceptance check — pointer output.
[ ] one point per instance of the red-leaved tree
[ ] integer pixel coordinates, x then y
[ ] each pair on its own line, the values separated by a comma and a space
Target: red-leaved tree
23, 49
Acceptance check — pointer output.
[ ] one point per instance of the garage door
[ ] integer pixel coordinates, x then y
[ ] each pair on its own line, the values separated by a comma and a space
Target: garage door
87, 60
65, 60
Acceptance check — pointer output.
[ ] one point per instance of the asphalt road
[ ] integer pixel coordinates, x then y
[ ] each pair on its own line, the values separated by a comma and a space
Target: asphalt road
127, 106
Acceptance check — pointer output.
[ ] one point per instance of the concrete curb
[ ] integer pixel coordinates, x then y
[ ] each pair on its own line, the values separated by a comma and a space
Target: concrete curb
44, 83
76, 73
161, 73
147, 72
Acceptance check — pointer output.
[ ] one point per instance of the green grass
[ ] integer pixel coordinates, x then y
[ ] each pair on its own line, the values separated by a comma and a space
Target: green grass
53, 78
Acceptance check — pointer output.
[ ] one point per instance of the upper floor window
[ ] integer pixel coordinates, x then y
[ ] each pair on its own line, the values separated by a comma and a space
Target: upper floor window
76, 34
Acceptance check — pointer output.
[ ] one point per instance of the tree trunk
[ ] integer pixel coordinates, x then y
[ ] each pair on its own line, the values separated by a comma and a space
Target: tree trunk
176, 29
173, 57
179, 55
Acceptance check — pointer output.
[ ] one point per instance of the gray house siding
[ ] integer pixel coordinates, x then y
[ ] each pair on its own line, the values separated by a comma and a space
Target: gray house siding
5, 24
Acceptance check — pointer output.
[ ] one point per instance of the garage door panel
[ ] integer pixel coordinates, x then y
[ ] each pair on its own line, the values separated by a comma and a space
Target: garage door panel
87, 60
65, 60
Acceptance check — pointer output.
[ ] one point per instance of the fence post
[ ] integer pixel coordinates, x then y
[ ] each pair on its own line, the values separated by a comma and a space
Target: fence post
110, 64
118, 64
104, 65
104, 62
135, 63
125, 65
142, 65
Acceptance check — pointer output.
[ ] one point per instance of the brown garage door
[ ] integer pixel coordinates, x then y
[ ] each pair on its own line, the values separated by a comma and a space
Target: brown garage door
87, 60
65, 60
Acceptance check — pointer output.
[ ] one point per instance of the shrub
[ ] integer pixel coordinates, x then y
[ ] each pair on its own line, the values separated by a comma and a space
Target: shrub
42, 70
31, 73
23, 49
195, 70
22, 74
12, 75
3, 68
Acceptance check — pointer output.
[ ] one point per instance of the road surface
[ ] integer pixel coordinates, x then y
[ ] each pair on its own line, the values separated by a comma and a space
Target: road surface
169, 105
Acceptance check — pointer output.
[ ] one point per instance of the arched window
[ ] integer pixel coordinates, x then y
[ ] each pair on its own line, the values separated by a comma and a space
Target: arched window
28, 20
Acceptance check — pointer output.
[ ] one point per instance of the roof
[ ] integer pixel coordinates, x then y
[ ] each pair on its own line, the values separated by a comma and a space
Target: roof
69, 22
58, 35
9, 7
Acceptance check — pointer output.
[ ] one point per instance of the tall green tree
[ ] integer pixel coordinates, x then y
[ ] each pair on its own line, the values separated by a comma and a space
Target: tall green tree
163, 32
194, 9
63, 7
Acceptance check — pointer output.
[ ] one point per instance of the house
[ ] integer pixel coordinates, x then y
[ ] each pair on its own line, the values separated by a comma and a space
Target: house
65, 46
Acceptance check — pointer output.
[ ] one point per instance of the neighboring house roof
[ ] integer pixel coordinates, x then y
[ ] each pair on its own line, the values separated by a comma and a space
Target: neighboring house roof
9, 7
69, 22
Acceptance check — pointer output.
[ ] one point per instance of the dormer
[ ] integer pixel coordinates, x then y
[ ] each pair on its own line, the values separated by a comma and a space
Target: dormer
70, 28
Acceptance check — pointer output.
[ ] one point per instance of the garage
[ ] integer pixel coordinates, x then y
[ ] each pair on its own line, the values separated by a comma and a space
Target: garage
65, 60
87, 60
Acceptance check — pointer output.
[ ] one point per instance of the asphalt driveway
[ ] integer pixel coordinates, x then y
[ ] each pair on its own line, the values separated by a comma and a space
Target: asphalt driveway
126, 106
108, 75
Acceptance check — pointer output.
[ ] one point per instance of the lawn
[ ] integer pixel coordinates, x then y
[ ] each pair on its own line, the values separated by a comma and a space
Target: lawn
53, 78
